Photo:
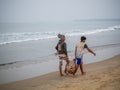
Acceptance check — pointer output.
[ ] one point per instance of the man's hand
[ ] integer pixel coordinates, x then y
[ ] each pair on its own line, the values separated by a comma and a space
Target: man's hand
74, 59
94, 54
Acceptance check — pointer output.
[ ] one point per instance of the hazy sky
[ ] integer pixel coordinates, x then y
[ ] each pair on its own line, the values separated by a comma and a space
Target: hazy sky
57, 10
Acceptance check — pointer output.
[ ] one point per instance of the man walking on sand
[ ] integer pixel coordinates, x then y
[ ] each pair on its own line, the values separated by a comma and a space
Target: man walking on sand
62, 52
79, 49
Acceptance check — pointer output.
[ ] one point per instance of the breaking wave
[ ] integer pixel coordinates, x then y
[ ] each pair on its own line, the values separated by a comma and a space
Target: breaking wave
28, 36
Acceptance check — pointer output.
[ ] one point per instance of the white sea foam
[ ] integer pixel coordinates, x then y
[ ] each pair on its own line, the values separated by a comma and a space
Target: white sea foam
28, 36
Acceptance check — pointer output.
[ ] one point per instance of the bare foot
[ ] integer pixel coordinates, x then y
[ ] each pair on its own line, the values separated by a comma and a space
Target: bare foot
73, 76
65, 71
83, 73
61, 75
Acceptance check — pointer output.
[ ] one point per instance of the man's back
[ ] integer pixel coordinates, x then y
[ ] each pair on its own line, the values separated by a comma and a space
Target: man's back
80, 48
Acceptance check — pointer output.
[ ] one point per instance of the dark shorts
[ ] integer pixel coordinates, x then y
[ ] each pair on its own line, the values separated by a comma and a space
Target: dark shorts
79, 61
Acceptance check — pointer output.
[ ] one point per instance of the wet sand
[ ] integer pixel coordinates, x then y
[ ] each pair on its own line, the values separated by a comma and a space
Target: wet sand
104, 75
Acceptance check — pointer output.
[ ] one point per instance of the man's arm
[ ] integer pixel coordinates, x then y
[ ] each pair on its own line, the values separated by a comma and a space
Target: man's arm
91, 51
56, 49
75, 52
65, 49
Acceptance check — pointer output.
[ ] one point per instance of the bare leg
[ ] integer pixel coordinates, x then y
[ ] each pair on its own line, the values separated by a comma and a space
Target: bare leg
60, 69
75, 70
67, 62
65, 71
81, 68
76, 67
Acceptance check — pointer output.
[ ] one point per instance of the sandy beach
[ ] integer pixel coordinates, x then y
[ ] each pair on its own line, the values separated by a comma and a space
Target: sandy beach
104, 75
29, 34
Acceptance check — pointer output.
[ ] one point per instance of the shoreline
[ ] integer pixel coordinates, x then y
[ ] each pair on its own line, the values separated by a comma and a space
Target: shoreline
36, 67
95, 48
100, 75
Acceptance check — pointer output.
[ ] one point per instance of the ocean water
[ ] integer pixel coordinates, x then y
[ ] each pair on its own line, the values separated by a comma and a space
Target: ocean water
27, 47
28, 41
19, 32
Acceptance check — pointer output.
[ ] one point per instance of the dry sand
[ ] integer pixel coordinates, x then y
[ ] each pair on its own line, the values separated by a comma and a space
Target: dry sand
104, 75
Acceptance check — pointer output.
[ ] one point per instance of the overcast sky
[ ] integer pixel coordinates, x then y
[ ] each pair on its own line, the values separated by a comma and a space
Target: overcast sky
57, 10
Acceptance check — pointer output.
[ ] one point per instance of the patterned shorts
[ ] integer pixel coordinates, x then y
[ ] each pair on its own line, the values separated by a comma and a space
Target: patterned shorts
61, 58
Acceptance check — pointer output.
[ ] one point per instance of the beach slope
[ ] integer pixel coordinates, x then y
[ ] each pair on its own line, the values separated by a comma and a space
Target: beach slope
104, 75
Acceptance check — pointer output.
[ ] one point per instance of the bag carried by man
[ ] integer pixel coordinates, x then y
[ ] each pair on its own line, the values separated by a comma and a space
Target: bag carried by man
71, 67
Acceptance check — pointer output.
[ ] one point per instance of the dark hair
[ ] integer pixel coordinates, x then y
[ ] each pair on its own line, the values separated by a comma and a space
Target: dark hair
59, 35
83, 38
